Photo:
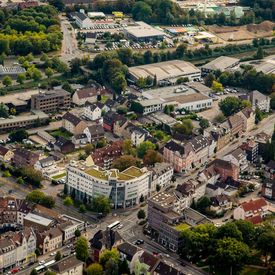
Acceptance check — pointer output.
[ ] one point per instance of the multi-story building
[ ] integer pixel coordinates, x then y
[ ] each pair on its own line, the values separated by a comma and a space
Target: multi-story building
258, 100
51, 101
66, 266
23, 157
92, 112
225, 169
268, 189
252, 150
73, 124
248, 118
262, 139
124, 189
17, 248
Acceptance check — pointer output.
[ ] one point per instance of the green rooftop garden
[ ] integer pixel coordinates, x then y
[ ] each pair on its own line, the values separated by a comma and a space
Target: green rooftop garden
182, 226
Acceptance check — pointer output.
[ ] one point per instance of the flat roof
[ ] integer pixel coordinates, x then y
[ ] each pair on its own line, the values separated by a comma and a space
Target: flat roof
37, 219
149, 102
37, 115
164, 70
18, 99
143, 30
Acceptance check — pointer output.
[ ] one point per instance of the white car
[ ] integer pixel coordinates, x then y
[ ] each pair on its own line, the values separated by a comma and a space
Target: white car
53, 254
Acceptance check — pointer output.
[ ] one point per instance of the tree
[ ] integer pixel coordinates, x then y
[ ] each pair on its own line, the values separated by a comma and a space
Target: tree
4, 111
141, 214
229, 230
141, 11
185, 127
202, 204
246, 104
125, 162
230, 105
33, 272
220, 118
95, 269
108, 255
47, 201
49, 273
77, 233
88, 149
68, 201
20, 180
101, 204
151, 157
208, 81
82, 208
49, 72
258, 115
260, 53
217, 86
36, 74
58, 256
59, 4
6, 174
266, 243
144, 147
18, 135
204, 123
248, 231
82, 249
141, 83
124, 267
111, 268
229, 254
21, 78
35, 196
7, 81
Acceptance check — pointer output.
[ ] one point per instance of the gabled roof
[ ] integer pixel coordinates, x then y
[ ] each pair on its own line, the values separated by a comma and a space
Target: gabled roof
254, 205
66, 265
175, 147
3, 150
128, 249
148, 259
96, 130
24, 153
61, 142
271, 164
247, 112
72, 118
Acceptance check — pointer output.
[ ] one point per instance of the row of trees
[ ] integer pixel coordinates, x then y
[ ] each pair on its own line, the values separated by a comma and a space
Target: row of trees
228, 248
39, 197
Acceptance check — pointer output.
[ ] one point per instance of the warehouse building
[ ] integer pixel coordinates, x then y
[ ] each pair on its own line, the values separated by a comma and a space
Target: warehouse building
143, 32
166, 71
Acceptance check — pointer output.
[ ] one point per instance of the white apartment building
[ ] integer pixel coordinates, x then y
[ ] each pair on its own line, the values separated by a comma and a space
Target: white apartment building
124, 189
92, 112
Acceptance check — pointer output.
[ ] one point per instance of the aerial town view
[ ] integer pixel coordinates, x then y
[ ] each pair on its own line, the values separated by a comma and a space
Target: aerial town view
137, 137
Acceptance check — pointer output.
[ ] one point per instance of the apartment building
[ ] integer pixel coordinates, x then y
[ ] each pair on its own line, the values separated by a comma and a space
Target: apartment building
51, 101
73, 124
124, 189
23, 157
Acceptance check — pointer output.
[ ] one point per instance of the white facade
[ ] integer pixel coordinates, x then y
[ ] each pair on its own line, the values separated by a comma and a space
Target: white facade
162, 176
124, 189
83, 23
197, 105
92, 113
137, 138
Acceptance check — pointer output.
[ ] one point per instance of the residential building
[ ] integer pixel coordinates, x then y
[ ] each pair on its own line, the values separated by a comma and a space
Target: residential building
222, 63
63, 145
5, 154
94, 133
226, 169
262, 139
128, 251
251, 148
68, 266
268, 189
17, 248
27, 4
135, 133
200, 146
166, 71
111, 119
258, 100
236, 125
73, 124
165, 268
49, 240
220, 203
104, 239
248, 117
79, 140
92, 112
238, 157
46, 165
51, 101
143, 32
180, 156
269, 172
88, 94
150, 105
161, 175
24, 158
37, 118
104, 157
124, 189
253, 211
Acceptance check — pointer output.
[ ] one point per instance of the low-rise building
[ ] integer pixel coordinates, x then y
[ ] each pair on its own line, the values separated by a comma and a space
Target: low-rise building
251, 210
70, 265
269, 170
92, 112
111, 119
24, 158
226, 169
258, 100
63, 145
149, 106
82, 20
222, 63
236, 125
51, 101
88, 94
94, 133
248, 117
238, 157
73, 124
5, 154
12, 71
38, 222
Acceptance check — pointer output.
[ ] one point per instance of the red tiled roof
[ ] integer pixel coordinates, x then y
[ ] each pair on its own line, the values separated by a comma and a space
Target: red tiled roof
255, 219
254, 205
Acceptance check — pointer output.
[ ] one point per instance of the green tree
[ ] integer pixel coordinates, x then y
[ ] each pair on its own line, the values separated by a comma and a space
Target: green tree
35, 196
88, 149
33, 272
216, 86
47, 201
77, 233
82, 208
204, 123
124, 267
49, 72
246, 104
58, 256
7, 81
229, 254
248, 231
141, 11
260, 53
185, 127
4, 111
151, 157
220, 118
125, 162
266, 244
101, 204
18, 135
36, 74
21, 78
50, 273
141, 214
20, 180
144, 147
68, 201
6, 174
95, 269
209, 79
229, 230
258, 115
82, 249
230, 105
108, 255
141, 83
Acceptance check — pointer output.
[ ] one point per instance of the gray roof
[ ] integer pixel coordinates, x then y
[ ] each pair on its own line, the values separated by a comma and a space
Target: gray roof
66, 264
38, 219
221, 63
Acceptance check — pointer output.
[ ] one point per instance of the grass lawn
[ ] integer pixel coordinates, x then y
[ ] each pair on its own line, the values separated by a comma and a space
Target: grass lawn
57, 177
61, 133
253, 271
182, 227
104, 98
